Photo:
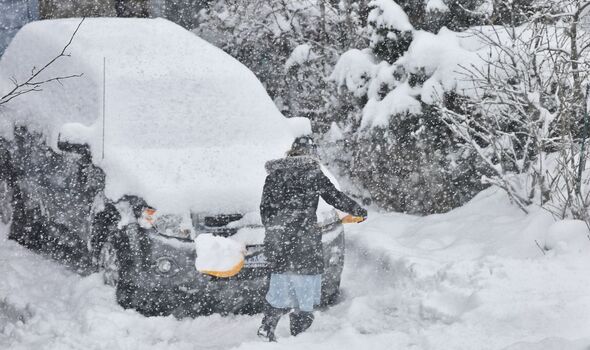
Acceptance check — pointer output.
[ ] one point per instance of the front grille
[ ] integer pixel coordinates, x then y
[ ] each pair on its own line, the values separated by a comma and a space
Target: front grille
221, 231
220, 220
216, 224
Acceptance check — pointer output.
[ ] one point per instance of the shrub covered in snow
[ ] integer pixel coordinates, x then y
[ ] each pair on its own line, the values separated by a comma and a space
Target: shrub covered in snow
483, 102
290, 45
401, 151
375, 77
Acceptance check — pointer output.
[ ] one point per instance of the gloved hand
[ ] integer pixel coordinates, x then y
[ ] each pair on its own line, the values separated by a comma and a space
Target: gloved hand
361, 212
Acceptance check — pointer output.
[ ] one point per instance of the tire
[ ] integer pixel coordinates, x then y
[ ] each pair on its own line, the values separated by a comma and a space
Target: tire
154, 303
109, 264
117, 276
331, 298
114, 266
127, 292
115, 250
125, 295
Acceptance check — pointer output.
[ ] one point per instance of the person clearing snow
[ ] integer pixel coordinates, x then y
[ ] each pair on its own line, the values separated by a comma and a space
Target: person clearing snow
293, 244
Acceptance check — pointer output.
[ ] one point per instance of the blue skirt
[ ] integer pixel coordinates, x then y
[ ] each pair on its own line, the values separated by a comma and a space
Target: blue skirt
292, 291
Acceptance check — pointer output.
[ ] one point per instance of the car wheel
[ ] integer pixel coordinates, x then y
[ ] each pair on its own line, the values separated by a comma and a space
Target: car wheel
108, 264
332, 297
154, 303
112, 263
114, 259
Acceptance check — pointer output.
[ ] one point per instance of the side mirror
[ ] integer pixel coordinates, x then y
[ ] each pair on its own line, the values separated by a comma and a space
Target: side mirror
80, 148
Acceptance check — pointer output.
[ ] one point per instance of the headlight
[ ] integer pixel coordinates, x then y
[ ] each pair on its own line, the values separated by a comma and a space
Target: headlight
147, 218
168, 225
166, 266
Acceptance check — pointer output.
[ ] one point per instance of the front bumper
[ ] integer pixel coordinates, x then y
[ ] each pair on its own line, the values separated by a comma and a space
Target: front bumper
186, 288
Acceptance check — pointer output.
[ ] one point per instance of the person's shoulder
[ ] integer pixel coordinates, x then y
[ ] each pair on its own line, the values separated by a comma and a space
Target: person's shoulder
301, 163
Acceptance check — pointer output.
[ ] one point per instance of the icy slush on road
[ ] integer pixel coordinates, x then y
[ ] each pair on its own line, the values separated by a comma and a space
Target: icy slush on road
178, 150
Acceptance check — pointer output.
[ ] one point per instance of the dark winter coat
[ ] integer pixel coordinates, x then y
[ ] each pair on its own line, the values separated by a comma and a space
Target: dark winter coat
293, 241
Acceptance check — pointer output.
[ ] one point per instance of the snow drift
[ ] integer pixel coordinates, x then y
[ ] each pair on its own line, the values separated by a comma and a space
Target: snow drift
469, 279
187, 127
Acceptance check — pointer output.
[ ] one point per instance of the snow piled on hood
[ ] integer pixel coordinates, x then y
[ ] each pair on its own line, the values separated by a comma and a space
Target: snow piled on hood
187, 126
218, 254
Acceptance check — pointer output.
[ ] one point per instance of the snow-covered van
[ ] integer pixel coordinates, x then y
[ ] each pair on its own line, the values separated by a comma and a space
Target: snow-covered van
163, 137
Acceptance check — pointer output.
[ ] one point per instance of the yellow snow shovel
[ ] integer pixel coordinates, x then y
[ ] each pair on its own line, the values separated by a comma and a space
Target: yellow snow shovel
234, 270
350, 219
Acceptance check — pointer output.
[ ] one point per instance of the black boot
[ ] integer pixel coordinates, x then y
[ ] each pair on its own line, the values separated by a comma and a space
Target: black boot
269, 322
300, 321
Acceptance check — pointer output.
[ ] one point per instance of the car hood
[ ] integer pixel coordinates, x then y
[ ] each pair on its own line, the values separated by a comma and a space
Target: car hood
210, 180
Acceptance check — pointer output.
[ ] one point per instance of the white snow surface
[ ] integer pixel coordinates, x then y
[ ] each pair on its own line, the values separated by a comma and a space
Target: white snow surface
469, 279
186, 126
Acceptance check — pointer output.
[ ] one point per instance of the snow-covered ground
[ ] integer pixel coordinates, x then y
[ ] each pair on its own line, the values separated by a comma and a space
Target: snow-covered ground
473, 278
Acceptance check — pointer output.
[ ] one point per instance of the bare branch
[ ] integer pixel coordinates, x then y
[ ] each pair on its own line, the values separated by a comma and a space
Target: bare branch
20, 89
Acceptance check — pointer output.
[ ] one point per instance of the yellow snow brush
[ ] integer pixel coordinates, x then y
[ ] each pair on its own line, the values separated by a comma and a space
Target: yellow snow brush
350, 219
234, 270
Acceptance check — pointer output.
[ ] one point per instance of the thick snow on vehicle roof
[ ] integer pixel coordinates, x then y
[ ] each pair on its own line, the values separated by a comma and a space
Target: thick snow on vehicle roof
187, 127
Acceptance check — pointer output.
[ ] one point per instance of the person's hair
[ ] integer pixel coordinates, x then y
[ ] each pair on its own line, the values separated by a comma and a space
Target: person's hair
303, 146
295, 152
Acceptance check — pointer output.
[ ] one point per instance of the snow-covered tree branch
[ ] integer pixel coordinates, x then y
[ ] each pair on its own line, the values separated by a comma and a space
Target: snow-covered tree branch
525, 115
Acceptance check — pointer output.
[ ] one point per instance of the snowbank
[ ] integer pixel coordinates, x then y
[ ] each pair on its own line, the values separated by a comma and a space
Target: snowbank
469, 279
186, 126
567, 236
